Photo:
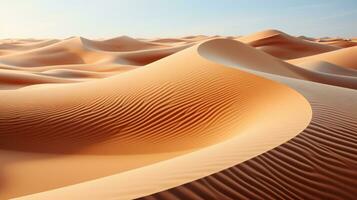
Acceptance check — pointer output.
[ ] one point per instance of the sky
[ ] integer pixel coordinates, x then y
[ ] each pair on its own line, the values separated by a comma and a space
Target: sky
173, 18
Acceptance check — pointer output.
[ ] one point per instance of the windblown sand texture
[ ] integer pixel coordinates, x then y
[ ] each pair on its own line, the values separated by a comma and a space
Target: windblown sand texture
262, 116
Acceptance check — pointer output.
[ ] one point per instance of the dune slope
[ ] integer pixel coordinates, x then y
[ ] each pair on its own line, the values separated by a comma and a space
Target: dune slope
202, 107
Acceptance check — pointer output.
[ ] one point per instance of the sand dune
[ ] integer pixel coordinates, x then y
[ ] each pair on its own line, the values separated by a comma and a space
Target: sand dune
176, 82
169, 40
71, 73
343, 57
10, 79
77, 50
263, 116
319, 163
284, 46
79, 58
84, 67
140, 58
205, 113
196, 37
11, 47
256, 60
21, 46
307, 38
70, 51
326, 67
123, 43
338, 42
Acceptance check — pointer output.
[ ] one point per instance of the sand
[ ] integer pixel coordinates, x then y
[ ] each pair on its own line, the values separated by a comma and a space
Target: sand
343, 58
284, 46
197, 117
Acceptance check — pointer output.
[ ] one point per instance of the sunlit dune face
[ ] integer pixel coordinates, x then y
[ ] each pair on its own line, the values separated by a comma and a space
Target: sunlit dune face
165, 108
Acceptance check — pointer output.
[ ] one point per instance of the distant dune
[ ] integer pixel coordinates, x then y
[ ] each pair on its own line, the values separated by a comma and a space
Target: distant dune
123, 43
263, 116
343, 58
285, 46
338, 42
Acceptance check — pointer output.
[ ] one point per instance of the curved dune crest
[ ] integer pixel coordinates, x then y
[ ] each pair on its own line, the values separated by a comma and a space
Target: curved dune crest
203, 107
230, 52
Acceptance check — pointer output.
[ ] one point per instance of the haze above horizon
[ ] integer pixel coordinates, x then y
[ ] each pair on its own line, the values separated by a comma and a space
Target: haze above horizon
160, 18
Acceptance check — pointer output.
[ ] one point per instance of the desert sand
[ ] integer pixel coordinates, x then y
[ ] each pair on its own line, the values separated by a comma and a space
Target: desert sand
263, 116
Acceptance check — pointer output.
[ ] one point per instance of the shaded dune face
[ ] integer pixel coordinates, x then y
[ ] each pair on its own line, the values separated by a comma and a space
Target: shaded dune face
232, 53
186, 106
254, 60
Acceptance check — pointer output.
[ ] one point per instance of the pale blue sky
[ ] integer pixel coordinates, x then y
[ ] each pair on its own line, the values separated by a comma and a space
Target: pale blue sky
171, 18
